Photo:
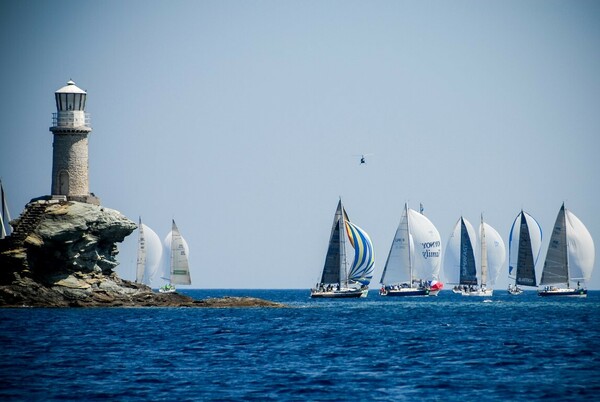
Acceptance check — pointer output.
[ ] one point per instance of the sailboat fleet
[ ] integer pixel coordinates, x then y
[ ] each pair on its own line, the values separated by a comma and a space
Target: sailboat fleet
472, 261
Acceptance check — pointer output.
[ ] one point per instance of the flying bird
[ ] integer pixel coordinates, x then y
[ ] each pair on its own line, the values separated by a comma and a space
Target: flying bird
363, 158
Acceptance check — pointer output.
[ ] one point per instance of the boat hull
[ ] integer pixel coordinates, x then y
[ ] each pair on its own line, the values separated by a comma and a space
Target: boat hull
562, 292
404, 292
479, 293
339, 294
515, 291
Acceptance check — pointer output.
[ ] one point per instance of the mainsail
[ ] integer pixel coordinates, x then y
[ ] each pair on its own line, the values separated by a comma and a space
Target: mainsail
336, 252
525, 243
570, 253
459, 259
180, 271
495, 254
398, 264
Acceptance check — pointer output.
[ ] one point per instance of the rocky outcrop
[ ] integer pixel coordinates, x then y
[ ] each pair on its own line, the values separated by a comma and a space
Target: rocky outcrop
63, 254
54, 239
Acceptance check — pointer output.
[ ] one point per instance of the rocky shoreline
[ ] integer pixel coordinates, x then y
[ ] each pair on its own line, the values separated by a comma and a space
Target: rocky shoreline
63, 254
108, 292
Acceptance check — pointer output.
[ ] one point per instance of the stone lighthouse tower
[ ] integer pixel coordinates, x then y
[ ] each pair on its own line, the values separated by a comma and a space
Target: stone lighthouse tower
71, 127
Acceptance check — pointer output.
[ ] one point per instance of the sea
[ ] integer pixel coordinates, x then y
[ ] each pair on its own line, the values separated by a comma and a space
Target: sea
449, 347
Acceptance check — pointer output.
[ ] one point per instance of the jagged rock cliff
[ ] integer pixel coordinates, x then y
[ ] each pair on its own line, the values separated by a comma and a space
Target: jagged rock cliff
56, 239
63, 254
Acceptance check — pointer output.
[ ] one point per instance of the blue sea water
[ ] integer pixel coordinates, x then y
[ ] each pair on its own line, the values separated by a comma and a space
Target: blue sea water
448, 347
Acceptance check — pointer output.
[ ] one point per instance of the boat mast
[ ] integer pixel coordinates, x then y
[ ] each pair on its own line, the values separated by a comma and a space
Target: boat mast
566, 242
342, 239
484, 267
410, 267
141, 256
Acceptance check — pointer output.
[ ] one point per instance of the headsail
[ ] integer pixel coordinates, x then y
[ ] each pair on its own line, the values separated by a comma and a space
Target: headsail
364, 257
496, 253
153, 251
427, 247
336, 250
580, 247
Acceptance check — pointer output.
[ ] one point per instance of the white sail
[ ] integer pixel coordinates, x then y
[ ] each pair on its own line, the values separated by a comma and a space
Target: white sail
154, 253
167, 254
456, 246
496, 254
427, 247
580, 247
149, 254
415, 252
180, 271
398, 265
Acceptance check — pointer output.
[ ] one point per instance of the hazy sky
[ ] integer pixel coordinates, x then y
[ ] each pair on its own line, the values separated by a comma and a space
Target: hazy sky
241, 119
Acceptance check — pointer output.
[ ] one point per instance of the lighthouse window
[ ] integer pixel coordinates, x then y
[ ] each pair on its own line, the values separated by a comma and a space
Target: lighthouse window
62, 100
70, 101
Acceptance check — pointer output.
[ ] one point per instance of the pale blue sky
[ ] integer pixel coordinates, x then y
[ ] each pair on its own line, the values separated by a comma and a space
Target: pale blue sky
241, 119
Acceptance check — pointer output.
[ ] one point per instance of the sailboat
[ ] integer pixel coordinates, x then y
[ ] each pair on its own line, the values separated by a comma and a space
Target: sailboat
459, 257
524, 245
179, 271
149, 254
406, 271
570, 257
337, 281
492, 254
5, 228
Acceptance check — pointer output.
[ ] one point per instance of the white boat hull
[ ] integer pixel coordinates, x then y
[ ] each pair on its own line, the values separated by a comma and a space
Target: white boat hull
515, 291
479, 292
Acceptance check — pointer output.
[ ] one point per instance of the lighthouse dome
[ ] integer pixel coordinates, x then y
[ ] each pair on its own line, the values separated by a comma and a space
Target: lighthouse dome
70, 88
70, 98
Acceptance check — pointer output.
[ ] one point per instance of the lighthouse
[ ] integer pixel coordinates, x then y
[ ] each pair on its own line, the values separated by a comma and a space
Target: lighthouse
71, 127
